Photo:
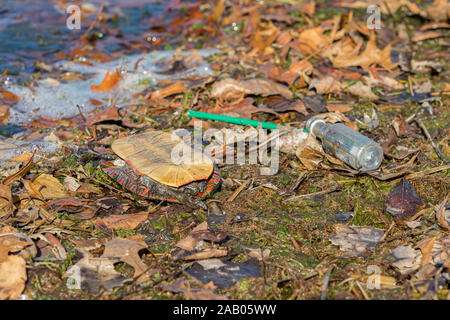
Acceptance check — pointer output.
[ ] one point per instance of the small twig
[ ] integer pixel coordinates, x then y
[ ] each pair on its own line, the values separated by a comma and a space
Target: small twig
239, 190
93, 22
427, 134
387, 232
310, 195
426, 172
418, 214
366, 296
326, 280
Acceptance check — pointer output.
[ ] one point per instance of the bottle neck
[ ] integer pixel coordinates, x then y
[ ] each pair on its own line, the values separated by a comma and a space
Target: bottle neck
319, 129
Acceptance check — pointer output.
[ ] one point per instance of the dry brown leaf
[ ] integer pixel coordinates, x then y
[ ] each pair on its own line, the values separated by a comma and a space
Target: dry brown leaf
325, 85
381, 80
189, 243
281, 104
356, 240
19, 174
7, 98
4, 112
174, 88
13, 276
402, 200
208, 253
217, 10
439, 10
338, 107
425, 247
125, 221
204, 293
6, 204
258, 253
243, 109
13, 267
310, 153
109, 82
361, 90
230, 89
91, 274
371, 55
407, 259
420, 36
108, 114
311, 40
128, 251
48, 186
443, 214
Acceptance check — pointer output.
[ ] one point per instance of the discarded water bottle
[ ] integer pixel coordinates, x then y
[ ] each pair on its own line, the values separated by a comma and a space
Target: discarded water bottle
353, 148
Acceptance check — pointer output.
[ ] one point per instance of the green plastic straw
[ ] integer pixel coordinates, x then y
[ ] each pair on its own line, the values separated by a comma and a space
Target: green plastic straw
240, 121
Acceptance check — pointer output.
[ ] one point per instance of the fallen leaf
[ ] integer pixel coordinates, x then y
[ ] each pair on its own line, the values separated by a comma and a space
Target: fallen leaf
128, 251
19, 174
217, 10
372, 121
71, 184
261, 255
4, 112
48, 186
402, 128
341, 107
406, 259
108, 114
312, 155
204, 293
371, 55
325, 85
425, 246
382, 80
443, 214
125, 221
109, 82
175, 88
13, 266
355, 240
311, 41
6, 203
208, 253
13, 276
8, 98
403, 200
438, 11
361, 90
91, 273
281, 104
223, 273
420, 36
200, 232
230, 89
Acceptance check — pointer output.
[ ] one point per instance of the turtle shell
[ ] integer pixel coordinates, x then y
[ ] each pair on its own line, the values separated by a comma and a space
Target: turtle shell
152, 154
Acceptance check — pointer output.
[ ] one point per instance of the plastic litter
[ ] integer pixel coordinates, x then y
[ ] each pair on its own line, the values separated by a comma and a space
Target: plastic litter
353, 148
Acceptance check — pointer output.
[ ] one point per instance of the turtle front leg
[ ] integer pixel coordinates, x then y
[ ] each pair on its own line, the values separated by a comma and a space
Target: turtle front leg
171, 194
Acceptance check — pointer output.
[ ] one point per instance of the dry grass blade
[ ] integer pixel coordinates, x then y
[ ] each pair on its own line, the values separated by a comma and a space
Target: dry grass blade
19, 174
239, 190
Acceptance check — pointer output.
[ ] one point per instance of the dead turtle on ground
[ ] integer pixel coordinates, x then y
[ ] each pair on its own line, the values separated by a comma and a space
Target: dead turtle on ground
144, 165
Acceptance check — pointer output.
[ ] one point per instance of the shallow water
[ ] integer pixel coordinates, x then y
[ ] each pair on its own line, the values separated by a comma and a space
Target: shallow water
31, 30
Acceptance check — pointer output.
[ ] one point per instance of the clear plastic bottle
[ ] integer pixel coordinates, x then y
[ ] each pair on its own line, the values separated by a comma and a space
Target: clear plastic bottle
353, 148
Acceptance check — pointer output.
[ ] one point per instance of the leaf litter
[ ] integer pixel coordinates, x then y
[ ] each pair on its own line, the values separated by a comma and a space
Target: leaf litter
277, 62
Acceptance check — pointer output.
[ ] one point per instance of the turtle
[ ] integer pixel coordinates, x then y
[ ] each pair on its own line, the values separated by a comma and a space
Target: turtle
143, 163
